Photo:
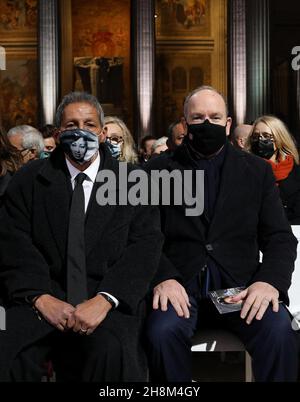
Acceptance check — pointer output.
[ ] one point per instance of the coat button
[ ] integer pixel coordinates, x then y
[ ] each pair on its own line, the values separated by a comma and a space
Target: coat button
209, 247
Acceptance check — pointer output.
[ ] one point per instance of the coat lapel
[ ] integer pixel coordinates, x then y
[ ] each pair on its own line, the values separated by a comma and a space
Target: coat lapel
233, 174
97, 217
58, 192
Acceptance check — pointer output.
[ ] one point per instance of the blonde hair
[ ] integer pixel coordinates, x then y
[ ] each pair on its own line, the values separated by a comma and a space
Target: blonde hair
128, 153
284, 141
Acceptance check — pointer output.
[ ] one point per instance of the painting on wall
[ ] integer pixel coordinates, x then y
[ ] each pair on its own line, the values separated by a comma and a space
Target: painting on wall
186, 18
101, 52
18, 101
177, 76
18, 16
102, 77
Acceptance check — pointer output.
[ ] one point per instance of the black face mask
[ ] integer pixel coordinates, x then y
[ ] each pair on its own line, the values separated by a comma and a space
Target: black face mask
263, 148
208, 138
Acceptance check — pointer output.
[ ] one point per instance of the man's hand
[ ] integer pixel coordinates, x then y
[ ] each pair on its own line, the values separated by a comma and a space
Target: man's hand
56, 312
171, 290
89, 314
256, 299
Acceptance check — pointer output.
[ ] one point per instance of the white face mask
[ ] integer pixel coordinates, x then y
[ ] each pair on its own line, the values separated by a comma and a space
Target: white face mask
79, 145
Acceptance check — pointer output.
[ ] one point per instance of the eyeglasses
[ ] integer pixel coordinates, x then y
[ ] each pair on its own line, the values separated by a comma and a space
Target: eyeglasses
24, 151
262, 136
115, 140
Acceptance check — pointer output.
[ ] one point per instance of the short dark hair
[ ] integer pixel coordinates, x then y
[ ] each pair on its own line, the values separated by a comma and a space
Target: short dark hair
145, 139
76, 97
48, 130
170, 129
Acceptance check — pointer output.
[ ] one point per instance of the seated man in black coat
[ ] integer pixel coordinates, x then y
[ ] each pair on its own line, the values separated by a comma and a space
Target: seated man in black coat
220, 249
75, 272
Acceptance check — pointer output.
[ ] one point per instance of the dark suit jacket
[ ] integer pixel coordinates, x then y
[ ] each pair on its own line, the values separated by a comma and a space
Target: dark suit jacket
123, 245
248, 217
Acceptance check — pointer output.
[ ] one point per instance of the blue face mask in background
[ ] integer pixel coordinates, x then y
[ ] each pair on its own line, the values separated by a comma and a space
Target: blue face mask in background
115, 149
45, 155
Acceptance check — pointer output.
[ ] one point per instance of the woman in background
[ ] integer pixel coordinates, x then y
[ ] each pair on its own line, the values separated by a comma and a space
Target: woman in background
119, 140
271, 140
10, 162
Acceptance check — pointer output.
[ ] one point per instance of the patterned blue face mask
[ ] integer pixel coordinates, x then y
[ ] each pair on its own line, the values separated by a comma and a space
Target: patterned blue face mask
79, 145
115, 149
45, 155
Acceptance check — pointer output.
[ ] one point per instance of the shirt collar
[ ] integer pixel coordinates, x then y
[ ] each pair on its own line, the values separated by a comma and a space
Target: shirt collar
91, 171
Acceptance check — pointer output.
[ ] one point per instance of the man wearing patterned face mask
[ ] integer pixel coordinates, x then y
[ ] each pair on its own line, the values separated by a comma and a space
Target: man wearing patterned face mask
79, 145
70, 294
220, 249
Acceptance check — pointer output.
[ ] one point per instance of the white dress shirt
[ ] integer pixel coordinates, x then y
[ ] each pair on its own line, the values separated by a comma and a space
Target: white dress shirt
87, 185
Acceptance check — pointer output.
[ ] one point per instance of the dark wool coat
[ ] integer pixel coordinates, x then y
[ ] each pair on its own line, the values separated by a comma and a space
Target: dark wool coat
289, 189
248, 217
123, 245
4, 180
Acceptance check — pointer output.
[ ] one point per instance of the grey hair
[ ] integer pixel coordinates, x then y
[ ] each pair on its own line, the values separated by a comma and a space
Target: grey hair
76, 97
160, 141
31, 137
199, 89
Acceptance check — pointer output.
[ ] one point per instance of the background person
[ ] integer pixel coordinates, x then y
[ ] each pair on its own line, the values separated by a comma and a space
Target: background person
240, 135
271, 140
28, 140
119, 140
159, 146
48, 132
176, 134
145, 149
10, 162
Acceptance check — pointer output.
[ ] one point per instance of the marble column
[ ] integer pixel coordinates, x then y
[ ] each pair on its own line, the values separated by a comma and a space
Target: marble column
258, 60
143, 71
66, 47
48, 60
237, 54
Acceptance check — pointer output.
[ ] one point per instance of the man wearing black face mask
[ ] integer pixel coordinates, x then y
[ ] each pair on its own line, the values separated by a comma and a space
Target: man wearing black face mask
76, 284
220, 249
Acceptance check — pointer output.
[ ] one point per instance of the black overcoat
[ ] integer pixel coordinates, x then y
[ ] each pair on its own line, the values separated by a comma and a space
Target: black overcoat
248, 217
123, 245
289, 189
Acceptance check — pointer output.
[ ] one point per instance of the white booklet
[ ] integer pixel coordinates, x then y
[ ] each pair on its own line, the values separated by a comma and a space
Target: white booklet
222, 299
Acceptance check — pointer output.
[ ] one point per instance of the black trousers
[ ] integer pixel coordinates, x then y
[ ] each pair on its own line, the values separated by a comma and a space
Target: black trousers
89, 358
271, 342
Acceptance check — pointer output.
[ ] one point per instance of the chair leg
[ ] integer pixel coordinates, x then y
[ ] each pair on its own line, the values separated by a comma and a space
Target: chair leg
248, 368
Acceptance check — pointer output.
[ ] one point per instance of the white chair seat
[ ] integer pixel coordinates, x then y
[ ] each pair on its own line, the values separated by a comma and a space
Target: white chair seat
219, 340
216, 340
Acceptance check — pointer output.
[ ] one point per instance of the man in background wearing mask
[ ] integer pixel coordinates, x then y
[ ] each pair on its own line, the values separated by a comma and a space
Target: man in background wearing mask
220, 249
75, 286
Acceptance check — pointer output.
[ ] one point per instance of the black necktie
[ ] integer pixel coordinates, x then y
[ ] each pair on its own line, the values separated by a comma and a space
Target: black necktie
76, 270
